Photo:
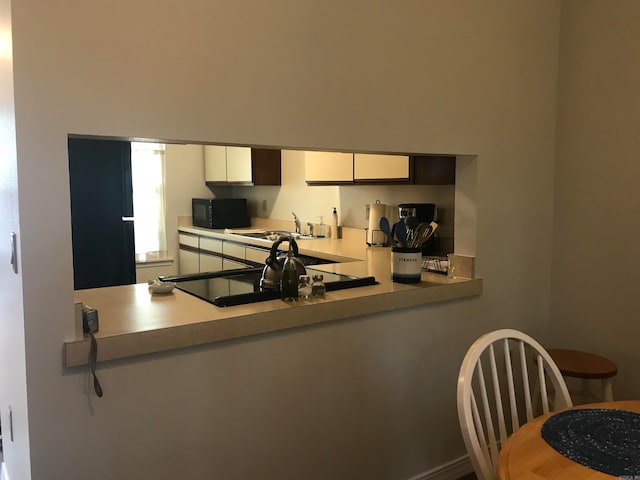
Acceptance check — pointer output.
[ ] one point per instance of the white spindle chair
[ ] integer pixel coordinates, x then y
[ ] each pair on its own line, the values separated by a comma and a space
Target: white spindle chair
501, 398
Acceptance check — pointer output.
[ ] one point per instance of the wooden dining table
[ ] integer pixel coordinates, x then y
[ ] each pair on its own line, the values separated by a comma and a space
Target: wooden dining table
527, 456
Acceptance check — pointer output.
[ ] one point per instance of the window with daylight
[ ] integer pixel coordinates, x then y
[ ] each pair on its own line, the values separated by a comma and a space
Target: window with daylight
147, 172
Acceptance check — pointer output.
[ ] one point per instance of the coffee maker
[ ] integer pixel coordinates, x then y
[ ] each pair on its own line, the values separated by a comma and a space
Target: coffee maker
424, 213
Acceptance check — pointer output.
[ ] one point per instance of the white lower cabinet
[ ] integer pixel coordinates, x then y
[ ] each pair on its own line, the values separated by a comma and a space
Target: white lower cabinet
210, 263
213, 255
189, 261
257, 255
210, 254
211, 244
234, 250
188, 257
228, 264
237, 252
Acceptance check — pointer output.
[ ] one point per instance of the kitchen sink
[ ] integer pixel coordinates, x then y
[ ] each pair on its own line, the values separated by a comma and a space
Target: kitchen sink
273, 235
296, 236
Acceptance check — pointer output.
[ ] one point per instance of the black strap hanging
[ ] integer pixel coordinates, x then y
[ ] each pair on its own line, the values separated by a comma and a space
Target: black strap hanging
93, 355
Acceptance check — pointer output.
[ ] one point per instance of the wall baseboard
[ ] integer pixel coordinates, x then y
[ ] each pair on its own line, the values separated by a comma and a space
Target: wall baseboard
449, 471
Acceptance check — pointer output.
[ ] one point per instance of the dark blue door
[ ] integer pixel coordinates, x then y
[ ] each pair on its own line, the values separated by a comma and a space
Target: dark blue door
101, 196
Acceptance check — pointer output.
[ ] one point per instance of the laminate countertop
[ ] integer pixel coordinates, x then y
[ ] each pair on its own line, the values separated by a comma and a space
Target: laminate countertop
134, 322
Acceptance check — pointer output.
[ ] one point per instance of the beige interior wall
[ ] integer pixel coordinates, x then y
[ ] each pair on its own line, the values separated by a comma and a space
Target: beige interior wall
184, 181
595, 264
13, 380
369, 398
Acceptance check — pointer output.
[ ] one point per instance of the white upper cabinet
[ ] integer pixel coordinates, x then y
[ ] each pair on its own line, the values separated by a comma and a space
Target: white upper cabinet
215, 163
328, 167
227, 164
380, 167
337, 167
242, 165
239, 164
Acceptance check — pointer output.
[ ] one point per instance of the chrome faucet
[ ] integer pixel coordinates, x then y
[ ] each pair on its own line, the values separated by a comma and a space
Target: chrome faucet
297, 222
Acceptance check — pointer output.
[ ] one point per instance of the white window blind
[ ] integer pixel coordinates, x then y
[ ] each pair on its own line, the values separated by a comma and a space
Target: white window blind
148, 172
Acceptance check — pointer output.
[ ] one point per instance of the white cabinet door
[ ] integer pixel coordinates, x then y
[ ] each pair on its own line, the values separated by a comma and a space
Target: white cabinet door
328, 167
231, 264
235, 250
239, 164
377, 167
215, 163
211, 244
257, 255
189, 239
189, 262
210, 263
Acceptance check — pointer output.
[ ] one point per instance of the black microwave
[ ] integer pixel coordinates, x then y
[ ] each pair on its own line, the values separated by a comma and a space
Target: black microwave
220, 212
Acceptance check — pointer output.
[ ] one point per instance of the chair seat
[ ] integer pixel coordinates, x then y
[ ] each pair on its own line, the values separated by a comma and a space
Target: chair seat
575, 363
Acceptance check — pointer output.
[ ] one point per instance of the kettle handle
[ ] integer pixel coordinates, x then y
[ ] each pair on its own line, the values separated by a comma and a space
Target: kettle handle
272, 259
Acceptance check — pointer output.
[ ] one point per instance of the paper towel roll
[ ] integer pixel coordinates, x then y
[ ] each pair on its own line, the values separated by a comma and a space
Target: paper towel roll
374, 235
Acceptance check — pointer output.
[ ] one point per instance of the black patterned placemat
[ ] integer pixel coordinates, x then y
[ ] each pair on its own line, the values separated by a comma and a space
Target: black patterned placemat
602, 439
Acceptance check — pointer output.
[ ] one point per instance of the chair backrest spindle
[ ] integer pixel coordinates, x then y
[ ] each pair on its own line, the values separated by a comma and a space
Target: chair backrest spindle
497, 396
525, 382
544, 396
512, 392
488, 417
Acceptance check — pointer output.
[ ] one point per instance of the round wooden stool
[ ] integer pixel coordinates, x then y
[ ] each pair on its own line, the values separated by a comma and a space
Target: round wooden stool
586, 366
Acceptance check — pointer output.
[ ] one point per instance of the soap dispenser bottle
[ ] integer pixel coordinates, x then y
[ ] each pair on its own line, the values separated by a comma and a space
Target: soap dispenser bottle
289, 279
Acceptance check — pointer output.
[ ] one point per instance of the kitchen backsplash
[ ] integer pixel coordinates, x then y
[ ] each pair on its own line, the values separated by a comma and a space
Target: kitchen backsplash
311, 202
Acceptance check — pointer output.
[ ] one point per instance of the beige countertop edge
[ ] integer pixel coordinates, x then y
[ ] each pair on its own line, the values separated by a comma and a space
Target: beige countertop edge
198, 333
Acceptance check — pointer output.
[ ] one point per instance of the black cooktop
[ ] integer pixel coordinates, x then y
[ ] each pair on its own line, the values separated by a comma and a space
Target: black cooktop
237, 287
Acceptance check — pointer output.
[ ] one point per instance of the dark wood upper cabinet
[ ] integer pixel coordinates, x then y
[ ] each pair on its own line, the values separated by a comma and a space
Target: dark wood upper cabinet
433, 170
266, 166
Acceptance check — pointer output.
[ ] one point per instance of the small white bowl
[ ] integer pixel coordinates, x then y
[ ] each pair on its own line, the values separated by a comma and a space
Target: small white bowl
158, 287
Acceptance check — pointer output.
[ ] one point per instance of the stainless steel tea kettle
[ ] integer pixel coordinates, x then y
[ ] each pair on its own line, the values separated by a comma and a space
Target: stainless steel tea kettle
272, 272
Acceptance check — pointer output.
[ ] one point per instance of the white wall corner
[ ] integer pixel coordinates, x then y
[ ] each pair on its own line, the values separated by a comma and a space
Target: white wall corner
466, 205
448, 471
4, 475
